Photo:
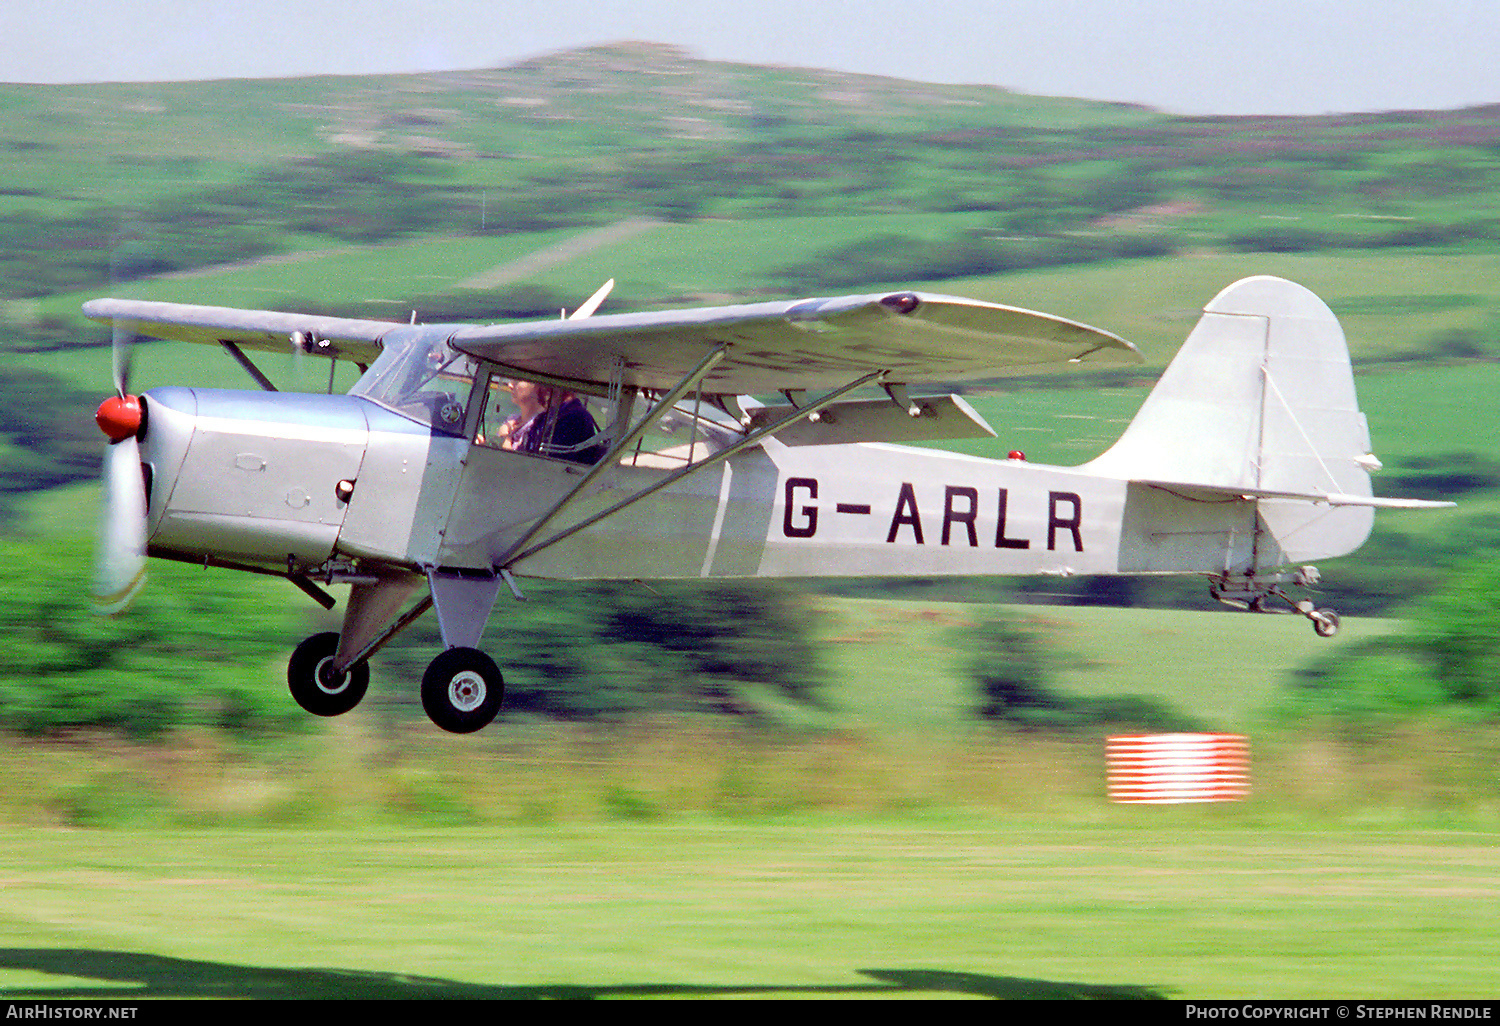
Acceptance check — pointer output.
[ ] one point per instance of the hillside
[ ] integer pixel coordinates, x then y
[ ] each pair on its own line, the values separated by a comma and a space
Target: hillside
124, 143
184, 175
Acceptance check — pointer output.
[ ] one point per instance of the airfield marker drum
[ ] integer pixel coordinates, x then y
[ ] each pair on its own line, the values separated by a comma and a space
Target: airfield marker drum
1167, 768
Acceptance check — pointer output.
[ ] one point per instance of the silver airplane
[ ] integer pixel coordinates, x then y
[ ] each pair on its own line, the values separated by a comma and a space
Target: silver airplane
642, 455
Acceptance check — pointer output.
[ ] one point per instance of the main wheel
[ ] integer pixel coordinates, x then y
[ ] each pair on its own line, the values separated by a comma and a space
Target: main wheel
1326, 623
314, 685
462, 690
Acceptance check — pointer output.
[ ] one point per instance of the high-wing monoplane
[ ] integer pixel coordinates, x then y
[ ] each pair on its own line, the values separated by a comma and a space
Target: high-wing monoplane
741, 441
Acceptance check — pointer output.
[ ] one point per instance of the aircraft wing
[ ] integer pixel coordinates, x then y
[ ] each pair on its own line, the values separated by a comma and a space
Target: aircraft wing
807, 344
262, 330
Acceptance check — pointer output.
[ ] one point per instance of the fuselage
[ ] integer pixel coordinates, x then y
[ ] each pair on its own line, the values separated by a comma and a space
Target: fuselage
296, 482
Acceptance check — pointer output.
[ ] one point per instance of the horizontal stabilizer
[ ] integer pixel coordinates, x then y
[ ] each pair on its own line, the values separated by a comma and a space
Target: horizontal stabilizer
1327, 498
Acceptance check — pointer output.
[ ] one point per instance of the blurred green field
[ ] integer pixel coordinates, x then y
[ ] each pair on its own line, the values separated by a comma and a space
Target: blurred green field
1388, 302
731, 260
1413, 411
1384, 300
1142, 903
897, 662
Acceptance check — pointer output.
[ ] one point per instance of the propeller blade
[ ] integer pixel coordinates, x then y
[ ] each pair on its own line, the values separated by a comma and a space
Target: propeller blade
592, 303
120, 357
120, 556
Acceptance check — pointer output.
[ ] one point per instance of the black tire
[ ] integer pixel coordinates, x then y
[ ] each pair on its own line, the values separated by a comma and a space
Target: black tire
309, 677
462, 690
1326, 623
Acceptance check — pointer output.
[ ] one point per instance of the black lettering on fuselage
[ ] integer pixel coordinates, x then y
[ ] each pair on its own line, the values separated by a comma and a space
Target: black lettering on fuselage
808, 514
960, 507
1002, 542
952, 516
906, 513
1073, 524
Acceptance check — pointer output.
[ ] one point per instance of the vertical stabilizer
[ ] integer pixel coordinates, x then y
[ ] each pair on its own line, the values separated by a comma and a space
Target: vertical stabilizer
1260, 398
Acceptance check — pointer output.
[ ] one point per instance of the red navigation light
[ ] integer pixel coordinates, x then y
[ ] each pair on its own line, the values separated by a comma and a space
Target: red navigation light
118, 417
1015, 454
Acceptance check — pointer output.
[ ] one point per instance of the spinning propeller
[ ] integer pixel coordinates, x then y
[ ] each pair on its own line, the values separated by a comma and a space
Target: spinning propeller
120, 552
592, 303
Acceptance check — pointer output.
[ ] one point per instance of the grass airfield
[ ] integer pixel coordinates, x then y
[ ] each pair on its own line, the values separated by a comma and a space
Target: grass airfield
1144, 903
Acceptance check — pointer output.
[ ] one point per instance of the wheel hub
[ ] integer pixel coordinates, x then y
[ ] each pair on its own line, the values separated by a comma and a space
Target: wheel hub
329, 682
466, 691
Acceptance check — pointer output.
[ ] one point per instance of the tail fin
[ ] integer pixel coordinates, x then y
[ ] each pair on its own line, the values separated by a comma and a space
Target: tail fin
1260, 402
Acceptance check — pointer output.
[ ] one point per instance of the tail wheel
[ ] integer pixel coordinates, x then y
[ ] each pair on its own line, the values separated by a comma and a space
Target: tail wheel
314, 684
1325, 622
462, 690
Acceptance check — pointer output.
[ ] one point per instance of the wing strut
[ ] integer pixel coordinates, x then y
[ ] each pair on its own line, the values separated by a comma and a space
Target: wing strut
513, 556
250, 368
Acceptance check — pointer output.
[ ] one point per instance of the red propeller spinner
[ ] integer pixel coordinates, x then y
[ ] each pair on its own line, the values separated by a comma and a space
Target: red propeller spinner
119, 417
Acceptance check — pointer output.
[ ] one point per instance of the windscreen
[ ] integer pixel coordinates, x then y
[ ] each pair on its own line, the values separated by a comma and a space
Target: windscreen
421, 379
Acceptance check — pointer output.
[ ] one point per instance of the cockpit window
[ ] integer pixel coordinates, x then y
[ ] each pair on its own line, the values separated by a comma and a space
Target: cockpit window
543, 420
682, 435
424, 381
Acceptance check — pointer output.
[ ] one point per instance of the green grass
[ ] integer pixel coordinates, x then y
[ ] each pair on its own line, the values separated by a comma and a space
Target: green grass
728, 260
388, 274
154, 364
1155, 303
1138, 904
1432, 409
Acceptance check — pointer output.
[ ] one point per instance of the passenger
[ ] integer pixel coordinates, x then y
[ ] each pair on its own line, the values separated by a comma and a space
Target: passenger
552, 423
519, 431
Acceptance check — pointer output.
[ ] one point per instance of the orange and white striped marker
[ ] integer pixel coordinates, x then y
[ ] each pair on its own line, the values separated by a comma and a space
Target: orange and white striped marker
1165, 768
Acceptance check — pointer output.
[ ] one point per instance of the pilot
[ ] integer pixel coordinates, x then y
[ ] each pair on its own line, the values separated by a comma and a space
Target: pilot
551, 422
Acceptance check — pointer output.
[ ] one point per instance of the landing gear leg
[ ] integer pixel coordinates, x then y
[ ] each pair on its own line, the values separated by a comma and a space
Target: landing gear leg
314, 684
462, 690
1253, 593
